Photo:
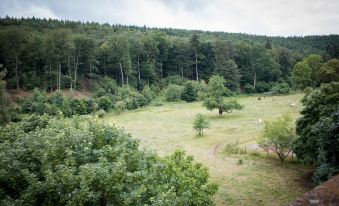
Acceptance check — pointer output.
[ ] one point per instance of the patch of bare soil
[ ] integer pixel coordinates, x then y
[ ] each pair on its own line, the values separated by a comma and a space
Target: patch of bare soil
212, 153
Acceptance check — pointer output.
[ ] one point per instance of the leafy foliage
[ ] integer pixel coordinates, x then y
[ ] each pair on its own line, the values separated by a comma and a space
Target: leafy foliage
173, 93
278, 136
74, 55
65, 163
101, 113
215, 99
105, 102
317, 129
189, 92
200, 123
301, 75
4, 101
282, 88
329, 71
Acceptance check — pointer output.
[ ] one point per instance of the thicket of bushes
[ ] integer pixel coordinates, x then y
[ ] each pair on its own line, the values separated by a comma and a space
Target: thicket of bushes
58, 162
318, 131
106, 96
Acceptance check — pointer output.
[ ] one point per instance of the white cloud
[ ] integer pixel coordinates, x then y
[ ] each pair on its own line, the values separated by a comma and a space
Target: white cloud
270, 17
27, 10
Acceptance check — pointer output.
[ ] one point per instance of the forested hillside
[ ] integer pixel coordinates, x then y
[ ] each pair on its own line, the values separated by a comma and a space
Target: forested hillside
54, 55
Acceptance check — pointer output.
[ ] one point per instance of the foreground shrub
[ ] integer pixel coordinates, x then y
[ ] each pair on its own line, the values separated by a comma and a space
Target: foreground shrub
66, 164
173, 93
318, 131
101, 113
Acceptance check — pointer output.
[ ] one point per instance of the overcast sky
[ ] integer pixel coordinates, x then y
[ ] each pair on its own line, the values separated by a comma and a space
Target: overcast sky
268, 17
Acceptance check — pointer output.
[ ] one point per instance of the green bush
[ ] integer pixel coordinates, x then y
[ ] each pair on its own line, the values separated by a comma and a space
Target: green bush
57, 98
148, 94
132, 98
79, 106
120, 106
200, 123
189, 91
175, 79
101, 113
278, 135
105, 102
173, 93
66, 108
69, 164
107, 86
248, 88
261, 87
37, 103
282, 88
318, 131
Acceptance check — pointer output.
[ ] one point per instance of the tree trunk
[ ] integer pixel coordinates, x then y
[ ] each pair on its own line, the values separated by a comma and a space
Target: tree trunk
16, 72
161, 70
196, 66
90, 75
59, 75
127, 80
254, 79
50, 76
76, 64
182, 72
139, 75
70, 73
220, 112
281, 158
122, 74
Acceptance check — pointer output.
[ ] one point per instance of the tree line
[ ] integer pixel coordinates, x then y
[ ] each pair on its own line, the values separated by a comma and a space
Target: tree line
55, 55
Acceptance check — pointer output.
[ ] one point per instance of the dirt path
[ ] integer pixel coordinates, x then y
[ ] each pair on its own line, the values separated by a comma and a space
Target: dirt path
212, 153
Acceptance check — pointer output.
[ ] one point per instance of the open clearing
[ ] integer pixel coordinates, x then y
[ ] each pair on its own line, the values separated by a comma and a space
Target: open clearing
260, 180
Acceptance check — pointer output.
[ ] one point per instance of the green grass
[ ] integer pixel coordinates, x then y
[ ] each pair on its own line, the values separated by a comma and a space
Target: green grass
257, 181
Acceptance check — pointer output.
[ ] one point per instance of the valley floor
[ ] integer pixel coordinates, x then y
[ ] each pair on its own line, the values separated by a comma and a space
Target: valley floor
259, 180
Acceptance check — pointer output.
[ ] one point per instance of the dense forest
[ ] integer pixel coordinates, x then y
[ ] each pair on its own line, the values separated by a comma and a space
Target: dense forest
54, 54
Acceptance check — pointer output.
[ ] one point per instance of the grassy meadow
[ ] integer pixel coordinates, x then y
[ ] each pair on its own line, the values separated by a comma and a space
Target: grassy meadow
244, 179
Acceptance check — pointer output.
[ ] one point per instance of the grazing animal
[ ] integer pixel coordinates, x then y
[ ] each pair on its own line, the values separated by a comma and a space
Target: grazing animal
259, 98
293, 104
260, 121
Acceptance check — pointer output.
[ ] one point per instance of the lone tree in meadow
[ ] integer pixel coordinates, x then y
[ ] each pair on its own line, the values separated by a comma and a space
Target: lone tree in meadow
215, 99
278, 136
200, 123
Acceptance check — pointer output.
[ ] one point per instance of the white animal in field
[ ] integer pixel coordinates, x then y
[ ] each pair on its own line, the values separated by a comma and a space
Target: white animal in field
293, 104
260, 121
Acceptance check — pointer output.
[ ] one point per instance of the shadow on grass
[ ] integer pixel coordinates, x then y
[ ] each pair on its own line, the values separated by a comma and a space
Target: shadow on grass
225, 116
